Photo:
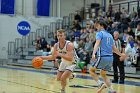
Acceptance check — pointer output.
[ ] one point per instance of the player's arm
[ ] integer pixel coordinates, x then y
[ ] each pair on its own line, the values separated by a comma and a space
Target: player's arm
51, 57
99, 36
70, 53
96, 46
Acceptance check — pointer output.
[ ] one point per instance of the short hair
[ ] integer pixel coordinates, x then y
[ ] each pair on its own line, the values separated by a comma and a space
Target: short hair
61, 31
103, 23
116, 32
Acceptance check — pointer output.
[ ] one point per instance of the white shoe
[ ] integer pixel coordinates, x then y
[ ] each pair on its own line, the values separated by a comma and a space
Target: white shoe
72, 76
62, 91
112, 91
100, 85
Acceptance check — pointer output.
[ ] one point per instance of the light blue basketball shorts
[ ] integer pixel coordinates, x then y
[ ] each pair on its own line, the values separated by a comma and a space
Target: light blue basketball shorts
104, 63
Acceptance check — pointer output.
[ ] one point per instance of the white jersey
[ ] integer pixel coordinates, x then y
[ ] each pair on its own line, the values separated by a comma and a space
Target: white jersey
64, 51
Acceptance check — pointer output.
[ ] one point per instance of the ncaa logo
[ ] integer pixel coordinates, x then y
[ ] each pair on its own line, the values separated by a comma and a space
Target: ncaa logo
24, 28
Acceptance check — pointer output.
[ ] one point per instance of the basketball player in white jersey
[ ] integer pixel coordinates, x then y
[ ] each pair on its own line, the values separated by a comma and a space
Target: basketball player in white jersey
65, 50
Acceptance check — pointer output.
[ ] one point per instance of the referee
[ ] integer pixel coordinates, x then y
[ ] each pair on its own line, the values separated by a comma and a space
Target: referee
117, 64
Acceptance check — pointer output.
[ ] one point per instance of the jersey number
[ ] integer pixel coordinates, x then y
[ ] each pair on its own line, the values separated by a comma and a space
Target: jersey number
108, 40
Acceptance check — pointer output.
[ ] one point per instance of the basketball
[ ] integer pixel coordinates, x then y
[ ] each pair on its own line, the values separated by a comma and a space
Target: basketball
37, 62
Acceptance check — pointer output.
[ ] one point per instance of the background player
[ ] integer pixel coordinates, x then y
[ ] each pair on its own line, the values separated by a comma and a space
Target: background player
104, 47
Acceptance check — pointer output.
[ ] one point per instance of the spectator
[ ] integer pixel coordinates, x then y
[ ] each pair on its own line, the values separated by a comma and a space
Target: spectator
77, 17
129, 50
75, 43
118, 15
38, 43
77, 33
43, 44
130, 32
114, 28
88, 46
84, 35
125, 36
129, 45
137, 31
92, 35
76, 25
81, 44
70, 34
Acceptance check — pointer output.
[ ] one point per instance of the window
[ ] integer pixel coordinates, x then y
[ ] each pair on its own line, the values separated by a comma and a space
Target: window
7, 6
43, 7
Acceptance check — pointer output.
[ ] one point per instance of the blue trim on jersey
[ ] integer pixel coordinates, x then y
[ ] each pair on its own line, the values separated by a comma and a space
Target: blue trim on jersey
99, 58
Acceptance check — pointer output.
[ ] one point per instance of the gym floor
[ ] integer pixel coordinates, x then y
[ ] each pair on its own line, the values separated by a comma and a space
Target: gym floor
14, 79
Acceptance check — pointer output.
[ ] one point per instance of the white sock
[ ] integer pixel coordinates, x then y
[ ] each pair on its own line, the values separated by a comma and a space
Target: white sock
99, 82
62, 89
110, 88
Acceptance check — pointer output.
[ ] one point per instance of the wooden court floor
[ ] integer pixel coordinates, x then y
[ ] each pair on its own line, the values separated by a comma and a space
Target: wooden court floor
15, 79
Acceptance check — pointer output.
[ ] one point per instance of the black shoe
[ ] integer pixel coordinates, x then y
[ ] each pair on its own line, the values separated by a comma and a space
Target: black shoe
114, 81
121, 82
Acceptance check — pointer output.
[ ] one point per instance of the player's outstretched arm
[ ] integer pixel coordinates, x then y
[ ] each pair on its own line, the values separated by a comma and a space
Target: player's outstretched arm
50, 57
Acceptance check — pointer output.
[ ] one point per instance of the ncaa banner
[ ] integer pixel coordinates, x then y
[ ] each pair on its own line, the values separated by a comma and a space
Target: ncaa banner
23, 28
43, 7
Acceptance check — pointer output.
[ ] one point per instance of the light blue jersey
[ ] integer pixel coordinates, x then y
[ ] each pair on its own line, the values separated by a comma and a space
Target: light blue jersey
105, 53
106, 43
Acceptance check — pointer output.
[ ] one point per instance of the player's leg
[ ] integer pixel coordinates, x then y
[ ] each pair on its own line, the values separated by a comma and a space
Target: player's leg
71, 68
106, 80
68, 69
101, 88
61, 70
59, 74
92, 71
106, 65
64, 78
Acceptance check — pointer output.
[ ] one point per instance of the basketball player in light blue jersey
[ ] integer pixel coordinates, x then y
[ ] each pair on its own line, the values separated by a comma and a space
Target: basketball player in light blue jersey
104, 48
65, 50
